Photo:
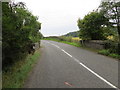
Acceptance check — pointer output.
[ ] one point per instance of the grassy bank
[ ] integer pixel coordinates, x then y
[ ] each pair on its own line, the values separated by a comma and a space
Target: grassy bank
72, 43
15, 77
66, 42
103, 52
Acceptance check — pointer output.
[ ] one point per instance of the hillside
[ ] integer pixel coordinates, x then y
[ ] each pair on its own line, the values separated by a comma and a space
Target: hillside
73, 34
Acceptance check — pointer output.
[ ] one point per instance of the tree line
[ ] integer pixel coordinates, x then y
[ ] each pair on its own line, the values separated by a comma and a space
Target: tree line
20, 28
101, 23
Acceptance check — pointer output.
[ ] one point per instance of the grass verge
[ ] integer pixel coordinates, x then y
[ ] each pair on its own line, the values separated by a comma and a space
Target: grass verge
66, 42
103, 52
72, 43
15, 77
107, 53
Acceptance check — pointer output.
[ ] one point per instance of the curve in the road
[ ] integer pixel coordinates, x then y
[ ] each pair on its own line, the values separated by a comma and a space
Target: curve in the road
103, 79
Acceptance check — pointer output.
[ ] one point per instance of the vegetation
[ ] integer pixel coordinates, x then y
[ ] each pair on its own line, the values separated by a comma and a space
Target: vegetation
100, 23
111, 10
20, 29
103, 24
19, 72
108, 53
90, 26
111, 52
58, 39
72, 34
104, 52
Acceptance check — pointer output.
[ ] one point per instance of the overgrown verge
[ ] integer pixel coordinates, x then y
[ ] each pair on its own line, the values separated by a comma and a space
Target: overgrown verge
16, 75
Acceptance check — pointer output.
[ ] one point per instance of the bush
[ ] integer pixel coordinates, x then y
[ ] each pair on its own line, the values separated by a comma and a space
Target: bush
19, 28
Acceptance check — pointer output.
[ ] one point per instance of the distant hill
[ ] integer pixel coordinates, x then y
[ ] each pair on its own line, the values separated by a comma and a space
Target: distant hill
73, 34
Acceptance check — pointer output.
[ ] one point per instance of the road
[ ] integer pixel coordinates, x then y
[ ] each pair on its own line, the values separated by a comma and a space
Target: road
65, 66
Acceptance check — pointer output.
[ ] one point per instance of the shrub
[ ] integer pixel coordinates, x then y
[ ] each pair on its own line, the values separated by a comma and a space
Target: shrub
20, 27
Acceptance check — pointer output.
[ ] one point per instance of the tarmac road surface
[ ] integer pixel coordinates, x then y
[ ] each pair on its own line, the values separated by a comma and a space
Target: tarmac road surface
65, 66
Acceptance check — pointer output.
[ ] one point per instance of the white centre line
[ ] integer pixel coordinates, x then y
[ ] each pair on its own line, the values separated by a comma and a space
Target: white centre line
66, 53
100, 77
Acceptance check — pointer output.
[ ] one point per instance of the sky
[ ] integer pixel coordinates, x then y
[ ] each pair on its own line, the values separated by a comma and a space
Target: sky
59, 17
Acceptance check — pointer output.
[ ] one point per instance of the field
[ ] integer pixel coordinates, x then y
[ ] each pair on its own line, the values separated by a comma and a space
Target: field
76, 39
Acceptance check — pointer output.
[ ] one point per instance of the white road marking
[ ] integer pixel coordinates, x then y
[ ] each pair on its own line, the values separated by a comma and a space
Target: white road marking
76, 60
47, 42
66, 53
55, 45
100, 77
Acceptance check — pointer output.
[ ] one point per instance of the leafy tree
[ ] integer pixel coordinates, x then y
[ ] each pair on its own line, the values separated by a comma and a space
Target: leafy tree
91, 26
111, 10
20, 28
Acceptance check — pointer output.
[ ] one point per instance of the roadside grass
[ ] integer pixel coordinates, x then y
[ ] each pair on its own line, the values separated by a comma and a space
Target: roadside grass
66, 42
72, 43
15, 77
102, 52
52, 39
107, 53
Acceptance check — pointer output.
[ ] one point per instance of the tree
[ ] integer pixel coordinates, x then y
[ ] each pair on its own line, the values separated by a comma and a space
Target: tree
91, 26
111, 10
19, 29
